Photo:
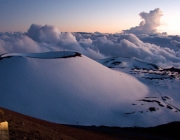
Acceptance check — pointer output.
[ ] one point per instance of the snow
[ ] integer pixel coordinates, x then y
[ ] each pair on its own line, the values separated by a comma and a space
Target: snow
163, 85
127, 62
69, 90
66, 87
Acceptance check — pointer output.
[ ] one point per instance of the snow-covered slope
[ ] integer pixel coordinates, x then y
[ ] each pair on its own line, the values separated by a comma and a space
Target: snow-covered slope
67, 87
127, 62
163, 84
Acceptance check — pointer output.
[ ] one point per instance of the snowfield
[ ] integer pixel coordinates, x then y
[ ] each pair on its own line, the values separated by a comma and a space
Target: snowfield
67, 87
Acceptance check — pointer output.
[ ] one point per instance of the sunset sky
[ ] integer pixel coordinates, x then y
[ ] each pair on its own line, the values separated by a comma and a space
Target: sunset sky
86, 15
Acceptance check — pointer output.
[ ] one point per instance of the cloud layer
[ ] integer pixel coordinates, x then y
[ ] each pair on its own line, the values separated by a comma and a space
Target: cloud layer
159, 49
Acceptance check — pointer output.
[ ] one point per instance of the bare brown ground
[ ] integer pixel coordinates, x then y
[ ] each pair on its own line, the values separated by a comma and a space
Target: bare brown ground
22, 127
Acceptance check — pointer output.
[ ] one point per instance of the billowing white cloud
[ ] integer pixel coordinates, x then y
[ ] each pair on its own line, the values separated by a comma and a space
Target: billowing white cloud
149, 23
48, 34
131, 46
159, 49
45, 38
17, 42
161, 40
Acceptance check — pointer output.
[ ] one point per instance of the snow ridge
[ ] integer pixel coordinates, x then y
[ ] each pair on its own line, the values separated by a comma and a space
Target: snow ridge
45, 55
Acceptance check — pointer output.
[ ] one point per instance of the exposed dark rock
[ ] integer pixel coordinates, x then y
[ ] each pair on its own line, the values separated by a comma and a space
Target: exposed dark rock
151, 97
152, 109
158, 102
116, 63
151, 78
130, 113
172, 69
169, 107
165, 98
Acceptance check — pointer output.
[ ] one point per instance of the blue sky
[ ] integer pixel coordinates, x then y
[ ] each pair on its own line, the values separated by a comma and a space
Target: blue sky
86, 15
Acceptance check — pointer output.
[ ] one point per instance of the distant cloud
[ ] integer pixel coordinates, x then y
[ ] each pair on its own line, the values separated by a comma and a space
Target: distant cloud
17, 42
176, 43
61, 40
161, 40
131, 46
149, 24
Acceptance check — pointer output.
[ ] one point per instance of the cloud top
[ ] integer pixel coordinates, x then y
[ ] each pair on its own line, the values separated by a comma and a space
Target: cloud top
148, 25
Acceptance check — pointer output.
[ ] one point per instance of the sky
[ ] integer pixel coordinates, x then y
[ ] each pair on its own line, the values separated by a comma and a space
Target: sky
106, 16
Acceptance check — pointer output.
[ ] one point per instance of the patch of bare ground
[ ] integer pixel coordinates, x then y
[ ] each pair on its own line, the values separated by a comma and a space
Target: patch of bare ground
22, 127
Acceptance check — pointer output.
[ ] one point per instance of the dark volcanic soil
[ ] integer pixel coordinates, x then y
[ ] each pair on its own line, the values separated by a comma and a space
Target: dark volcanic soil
25, 127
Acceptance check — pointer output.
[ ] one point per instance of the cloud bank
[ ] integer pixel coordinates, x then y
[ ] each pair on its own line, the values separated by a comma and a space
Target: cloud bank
149, 23
160, 49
